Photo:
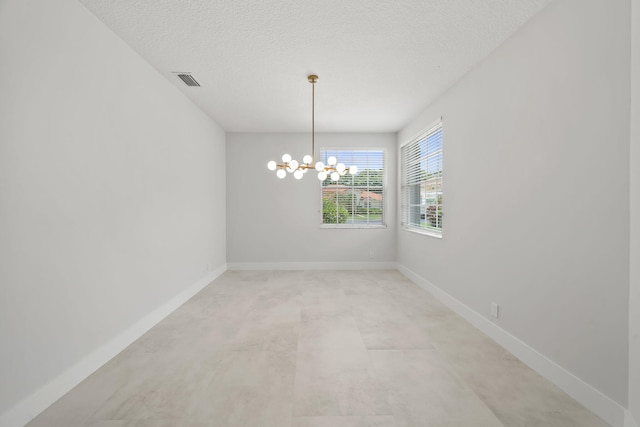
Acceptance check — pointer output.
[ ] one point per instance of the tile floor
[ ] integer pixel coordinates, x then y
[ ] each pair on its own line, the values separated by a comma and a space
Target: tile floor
284, 349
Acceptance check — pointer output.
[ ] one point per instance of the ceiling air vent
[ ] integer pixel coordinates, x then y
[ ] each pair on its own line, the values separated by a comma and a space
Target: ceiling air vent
188, 79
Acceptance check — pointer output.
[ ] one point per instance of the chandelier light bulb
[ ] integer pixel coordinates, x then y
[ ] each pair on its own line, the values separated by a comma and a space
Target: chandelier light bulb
353, 170
298, 174
281, 173
319, 166
335, 176
293, 164
307, 159
340, 167
286, 158
322, 176
271, 165
332, 161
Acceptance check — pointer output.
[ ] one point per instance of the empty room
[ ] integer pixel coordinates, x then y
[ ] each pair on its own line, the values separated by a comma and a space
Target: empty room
412, 213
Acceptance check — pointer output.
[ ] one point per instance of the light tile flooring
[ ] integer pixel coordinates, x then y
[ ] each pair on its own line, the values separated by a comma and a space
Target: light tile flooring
286, 349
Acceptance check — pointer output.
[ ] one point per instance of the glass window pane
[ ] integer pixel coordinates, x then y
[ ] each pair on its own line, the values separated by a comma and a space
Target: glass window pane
355, 200
421, 182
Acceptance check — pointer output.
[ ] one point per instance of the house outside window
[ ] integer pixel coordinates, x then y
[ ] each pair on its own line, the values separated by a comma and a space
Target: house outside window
355, 201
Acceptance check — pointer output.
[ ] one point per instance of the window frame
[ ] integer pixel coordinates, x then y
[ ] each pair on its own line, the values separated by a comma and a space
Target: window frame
384, 189
403, 199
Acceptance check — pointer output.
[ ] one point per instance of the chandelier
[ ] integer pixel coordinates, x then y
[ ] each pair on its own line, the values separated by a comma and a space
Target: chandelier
332, 169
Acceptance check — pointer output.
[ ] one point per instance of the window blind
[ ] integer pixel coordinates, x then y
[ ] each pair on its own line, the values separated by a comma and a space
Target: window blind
421, 183
355, 200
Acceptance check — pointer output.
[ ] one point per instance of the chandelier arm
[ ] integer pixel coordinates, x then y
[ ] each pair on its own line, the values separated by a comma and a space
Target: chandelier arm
301, 167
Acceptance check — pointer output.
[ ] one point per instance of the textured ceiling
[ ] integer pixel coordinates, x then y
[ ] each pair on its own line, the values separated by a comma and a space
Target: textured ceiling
380, 62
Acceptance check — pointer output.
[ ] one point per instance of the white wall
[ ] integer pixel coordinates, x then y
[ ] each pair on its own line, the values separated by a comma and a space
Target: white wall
536, 184
112, 191
634, 314
270, 220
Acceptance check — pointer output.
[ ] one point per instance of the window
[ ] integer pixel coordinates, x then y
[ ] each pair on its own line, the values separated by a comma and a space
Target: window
355, 200
421, 183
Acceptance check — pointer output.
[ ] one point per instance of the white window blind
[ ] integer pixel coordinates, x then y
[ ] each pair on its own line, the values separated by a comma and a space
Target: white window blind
421, 183
355, 200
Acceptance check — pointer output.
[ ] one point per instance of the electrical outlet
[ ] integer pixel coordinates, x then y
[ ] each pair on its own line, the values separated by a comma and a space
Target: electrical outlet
371, 254
208, 266
495, 310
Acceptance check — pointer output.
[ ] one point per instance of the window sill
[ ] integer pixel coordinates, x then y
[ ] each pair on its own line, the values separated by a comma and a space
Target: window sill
328, 226
434, 234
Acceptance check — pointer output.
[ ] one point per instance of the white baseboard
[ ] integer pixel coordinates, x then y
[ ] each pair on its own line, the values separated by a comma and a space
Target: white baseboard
38, 401
628, 420
389, 265
594, 400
